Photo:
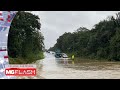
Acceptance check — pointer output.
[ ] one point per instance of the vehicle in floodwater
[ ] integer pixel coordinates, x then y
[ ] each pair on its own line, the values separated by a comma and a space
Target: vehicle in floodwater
58, 55
64, 55
61, 55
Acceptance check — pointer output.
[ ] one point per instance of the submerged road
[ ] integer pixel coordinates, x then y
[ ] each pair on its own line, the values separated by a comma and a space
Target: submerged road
52, 68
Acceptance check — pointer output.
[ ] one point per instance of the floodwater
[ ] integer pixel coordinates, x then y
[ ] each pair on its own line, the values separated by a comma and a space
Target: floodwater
52, 68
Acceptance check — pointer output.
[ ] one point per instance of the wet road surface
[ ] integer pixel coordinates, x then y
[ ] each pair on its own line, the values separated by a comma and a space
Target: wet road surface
52, 68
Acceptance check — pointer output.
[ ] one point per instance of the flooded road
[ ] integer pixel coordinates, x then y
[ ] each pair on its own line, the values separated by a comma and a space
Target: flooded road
52, 68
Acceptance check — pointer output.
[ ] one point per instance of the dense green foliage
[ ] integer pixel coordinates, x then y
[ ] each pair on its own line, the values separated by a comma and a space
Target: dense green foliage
101, 42
25, 39
20, 60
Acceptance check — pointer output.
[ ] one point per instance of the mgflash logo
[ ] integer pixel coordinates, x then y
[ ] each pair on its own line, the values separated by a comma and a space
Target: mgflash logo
20, 71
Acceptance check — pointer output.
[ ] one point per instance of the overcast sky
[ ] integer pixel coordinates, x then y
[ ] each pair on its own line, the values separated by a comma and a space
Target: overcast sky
55, 23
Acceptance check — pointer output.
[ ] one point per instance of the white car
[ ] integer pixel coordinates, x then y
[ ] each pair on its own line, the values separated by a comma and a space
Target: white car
64, 55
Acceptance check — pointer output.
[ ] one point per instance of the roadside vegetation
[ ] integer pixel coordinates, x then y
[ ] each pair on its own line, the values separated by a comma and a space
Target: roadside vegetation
102, 42
25, 40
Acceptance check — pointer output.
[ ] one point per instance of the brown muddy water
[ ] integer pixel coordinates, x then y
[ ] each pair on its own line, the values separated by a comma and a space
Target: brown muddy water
52, 68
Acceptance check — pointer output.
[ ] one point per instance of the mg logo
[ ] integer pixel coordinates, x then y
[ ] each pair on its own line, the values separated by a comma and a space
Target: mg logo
9, 72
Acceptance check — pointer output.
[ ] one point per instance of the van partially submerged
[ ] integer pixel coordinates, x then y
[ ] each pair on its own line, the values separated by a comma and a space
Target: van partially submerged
61, 55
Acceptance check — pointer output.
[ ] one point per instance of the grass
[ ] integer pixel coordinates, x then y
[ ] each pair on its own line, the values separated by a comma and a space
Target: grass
32, 58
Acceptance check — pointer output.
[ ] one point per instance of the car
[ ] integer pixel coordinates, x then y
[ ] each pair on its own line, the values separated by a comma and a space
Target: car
58, 55
64, 55
53, 53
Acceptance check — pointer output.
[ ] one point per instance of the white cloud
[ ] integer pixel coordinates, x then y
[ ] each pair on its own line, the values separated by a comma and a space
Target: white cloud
55, 23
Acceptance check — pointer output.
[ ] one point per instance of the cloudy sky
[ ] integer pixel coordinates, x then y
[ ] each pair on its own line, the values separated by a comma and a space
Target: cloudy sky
55, 23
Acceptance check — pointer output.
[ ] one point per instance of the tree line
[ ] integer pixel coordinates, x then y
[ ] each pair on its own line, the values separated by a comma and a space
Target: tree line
100, 42
25, 39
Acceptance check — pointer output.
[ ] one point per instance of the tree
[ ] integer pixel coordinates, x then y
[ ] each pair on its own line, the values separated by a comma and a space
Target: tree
25, 38
115, 46
101, 42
